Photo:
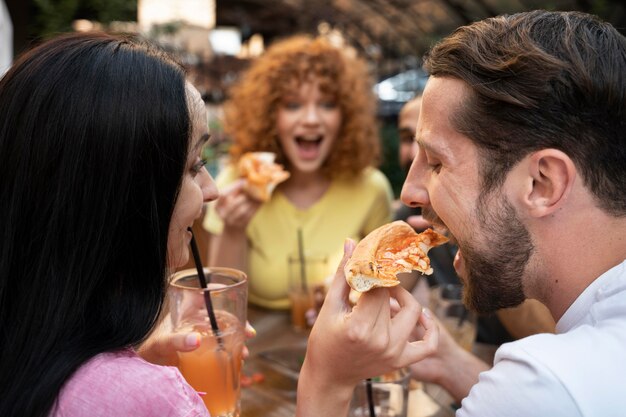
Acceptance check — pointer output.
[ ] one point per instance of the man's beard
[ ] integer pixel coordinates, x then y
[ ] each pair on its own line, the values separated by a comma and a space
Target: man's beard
495, 276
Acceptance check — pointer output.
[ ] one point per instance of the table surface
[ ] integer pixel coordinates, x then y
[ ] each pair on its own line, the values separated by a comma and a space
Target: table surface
276, 395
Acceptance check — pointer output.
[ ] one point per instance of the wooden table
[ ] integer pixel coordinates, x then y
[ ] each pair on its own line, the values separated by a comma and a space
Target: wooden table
276, 395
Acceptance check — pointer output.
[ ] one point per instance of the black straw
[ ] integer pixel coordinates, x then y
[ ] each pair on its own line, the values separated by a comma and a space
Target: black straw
370, 396
203, 284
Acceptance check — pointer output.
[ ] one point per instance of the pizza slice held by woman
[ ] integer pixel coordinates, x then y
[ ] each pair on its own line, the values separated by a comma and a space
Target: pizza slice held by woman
261, 174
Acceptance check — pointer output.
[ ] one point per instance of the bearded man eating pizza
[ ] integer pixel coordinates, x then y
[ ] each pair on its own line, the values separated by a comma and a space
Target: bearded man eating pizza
522, 156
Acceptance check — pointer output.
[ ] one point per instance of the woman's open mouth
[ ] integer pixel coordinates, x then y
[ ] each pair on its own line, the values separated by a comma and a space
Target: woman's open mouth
309, 146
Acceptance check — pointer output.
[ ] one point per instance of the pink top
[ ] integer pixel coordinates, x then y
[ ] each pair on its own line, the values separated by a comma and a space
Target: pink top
122, 384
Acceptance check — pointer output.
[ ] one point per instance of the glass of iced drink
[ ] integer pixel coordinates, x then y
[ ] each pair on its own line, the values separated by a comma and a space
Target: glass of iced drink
306, 288
214, 368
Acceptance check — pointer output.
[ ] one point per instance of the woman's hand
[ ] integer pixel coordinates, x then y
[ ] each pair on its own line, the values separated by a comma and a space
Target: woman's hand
235, 207
348, 344
163, 345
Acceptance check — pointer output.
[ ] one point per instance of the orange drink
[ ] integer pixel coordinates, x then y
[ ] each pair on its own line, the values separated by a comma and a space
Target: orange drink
214, 368
306, 288
301, 303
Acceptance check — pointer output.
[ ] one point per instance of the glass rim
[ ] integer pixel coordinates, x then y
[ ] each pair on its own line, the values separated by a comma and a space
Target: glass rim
403, 377
240, 277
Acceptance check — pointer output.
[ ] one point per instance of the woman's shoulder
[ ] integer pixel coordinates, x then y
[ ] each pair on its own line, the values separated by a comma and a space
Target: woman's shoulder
121, 383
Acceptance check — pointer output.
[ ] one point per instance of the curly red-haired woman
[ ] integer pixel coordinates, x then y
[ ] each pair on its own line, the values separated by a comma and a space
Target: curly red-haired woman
311, 103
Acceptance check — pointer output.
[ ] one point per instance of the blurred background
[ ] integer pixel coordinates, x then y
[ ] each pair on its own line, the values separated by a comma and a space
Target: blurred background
217, 39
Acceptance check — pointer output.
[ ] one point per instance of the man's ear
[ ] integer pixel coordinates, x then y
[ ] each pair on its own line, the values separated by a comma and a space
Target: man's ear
552, 173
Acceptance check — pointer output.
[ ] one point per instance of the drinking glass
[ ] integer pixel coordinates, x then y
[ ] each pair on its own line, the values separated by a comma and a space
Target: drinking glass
390, 396
214, 368
306, 288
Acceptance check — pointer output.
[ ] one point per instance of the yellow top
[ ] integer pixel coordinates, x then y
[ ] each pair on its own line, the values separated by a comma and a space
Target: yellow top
349, 208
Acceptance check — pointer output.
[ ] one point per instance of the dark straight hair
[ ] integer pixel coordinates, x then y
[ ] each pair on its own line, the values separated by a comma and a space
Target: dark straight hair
94, 137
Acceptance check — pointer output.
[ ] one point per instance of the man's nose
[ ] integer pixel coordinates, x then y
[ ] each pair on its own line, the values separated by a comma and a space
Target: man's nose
414, 192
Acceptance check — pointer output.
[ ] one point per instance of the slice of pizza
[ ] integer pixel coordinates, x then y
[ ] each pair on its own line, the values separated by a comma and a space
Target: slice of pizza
261, 174
388, 251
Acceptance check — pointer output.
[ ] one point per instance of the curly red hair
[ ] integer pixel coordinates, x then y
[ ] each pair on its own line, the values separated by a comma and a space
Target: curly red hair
251, 111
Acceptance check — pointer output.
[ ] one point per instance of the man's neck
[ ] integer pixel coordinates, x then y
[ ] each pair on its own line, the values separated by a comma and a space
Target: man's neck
574, 250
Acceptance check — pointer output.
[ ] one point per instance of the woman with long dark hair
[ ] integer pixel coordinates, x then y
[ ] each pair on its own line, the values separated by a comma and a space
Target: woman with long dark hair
100, 177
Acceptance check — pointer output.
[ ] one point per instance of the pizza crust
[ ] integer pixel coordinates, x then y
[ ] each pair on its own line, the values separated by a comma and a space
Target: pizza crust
261, 174
387, 251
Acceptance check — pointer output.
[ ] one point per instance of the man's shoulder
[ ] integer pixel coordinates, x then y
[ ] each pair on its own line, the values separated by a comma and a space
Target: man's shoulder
581, 371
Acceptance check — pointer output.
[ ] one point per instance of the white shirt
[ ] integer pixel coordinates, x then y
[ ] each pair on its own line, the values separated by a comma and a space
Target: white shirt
580, 371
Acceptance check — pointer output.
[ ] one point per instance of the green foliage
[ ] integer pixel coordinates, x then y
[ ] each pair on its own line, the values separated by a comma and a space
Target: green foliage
56, 16
111, 10
389, 164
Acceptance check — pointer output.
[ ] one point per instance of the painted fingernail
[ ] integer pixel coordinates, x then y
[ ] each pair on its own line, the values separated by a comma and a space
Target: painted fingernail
250, 329
192, 340
426, 312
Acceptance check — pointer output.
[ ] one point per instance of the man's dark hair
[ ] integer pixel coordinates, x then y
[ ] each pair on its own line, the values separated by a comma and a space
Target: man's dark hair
543, 80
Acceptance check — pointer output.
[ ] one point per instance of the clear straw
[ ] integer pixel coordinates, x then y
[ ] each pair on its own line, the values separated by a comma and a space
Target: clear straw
207, 294
302, 261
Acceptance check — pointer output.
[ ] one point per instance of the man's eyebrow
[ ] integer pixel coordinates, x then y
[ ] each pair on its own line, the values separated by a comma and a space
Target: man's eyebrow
426, 146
